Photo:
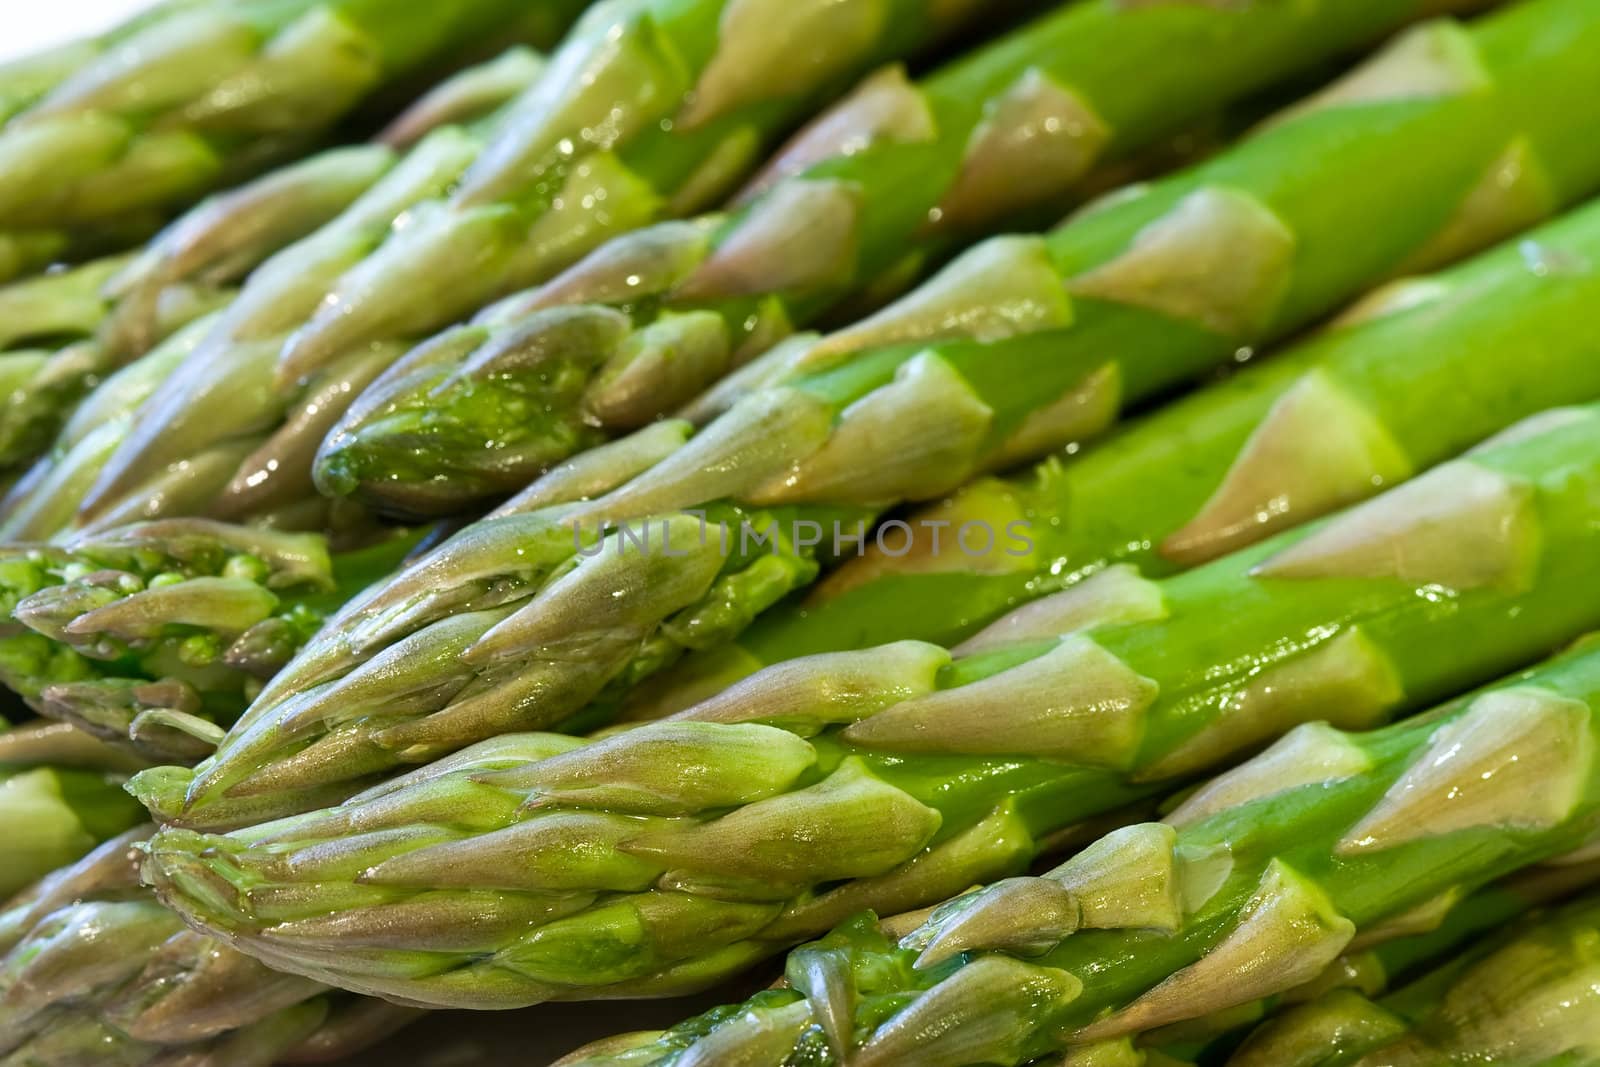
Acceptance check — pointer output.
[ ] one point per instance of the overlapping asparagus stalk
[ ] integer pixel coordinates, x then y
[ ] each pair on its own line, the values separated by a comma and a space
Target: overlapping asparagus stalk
96, 972
1251, 887
155, 633
196, 96
113, 310
1407, 378
540, 866
886, 181
650, 108
522, 620
1528, 996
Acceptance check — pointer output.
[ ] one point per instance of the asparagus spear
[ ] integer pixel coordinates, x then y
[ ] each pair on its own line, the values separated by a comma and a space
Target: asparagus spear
650, 108
1525, 997
157, 632
116, 309
535, 866
1251, 887
95, 972
891, 177
520, 621
200, 95
1408, 378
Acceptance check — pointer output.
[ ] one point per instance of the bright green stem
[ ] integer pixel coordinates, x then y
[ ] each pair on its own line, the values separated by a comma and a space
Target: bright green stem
1252, 889
670, 855
1413, 375
889, 179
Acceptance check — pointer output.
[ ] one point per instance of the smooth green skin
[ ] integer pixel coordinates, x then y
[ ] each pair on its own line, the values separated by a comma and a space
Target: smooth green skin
1510, 335
1394, 171
493, 209
54, 815
1548, 959
1435, 642
426, 450
1298, 827
404, 38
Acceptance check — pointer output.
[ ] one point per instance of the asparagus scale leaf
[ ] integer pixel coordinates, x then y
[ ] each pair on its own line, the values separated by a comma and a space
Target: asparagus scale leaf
95, 971
155, 633
521, 621
1525, 996
1251, 887
538, 866
889, 179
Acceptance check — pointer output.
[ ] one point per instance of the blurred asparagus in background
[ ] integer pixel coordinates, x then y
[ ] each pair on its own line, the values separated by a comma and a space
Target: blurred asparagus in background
1251, 887
54, 814
83, 324
650, 108
192, 97
95, 971
154, 634
1526, 996
521, 621
889, 180
666, 857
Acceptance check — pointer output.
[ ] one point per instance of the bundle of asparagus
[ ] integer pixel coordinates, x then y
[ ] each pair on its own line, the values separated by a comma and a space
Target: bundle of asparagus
524, 619
537, 866
1252, 885
885, 181
1228, 616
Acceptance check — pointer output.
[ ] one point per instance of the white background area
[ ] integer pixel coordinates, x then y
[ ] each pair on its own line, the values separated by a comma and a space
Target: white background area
29, 25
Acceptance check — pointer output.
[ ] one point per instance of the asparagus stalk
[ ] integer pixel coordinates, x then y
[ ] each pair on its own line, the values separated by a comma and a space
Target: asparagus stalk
1408, 378
522, 620
892, 177
650, 108
95, 971
1251, 887
156, 633
119, 308
197, 96
1527, 996
669, 855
